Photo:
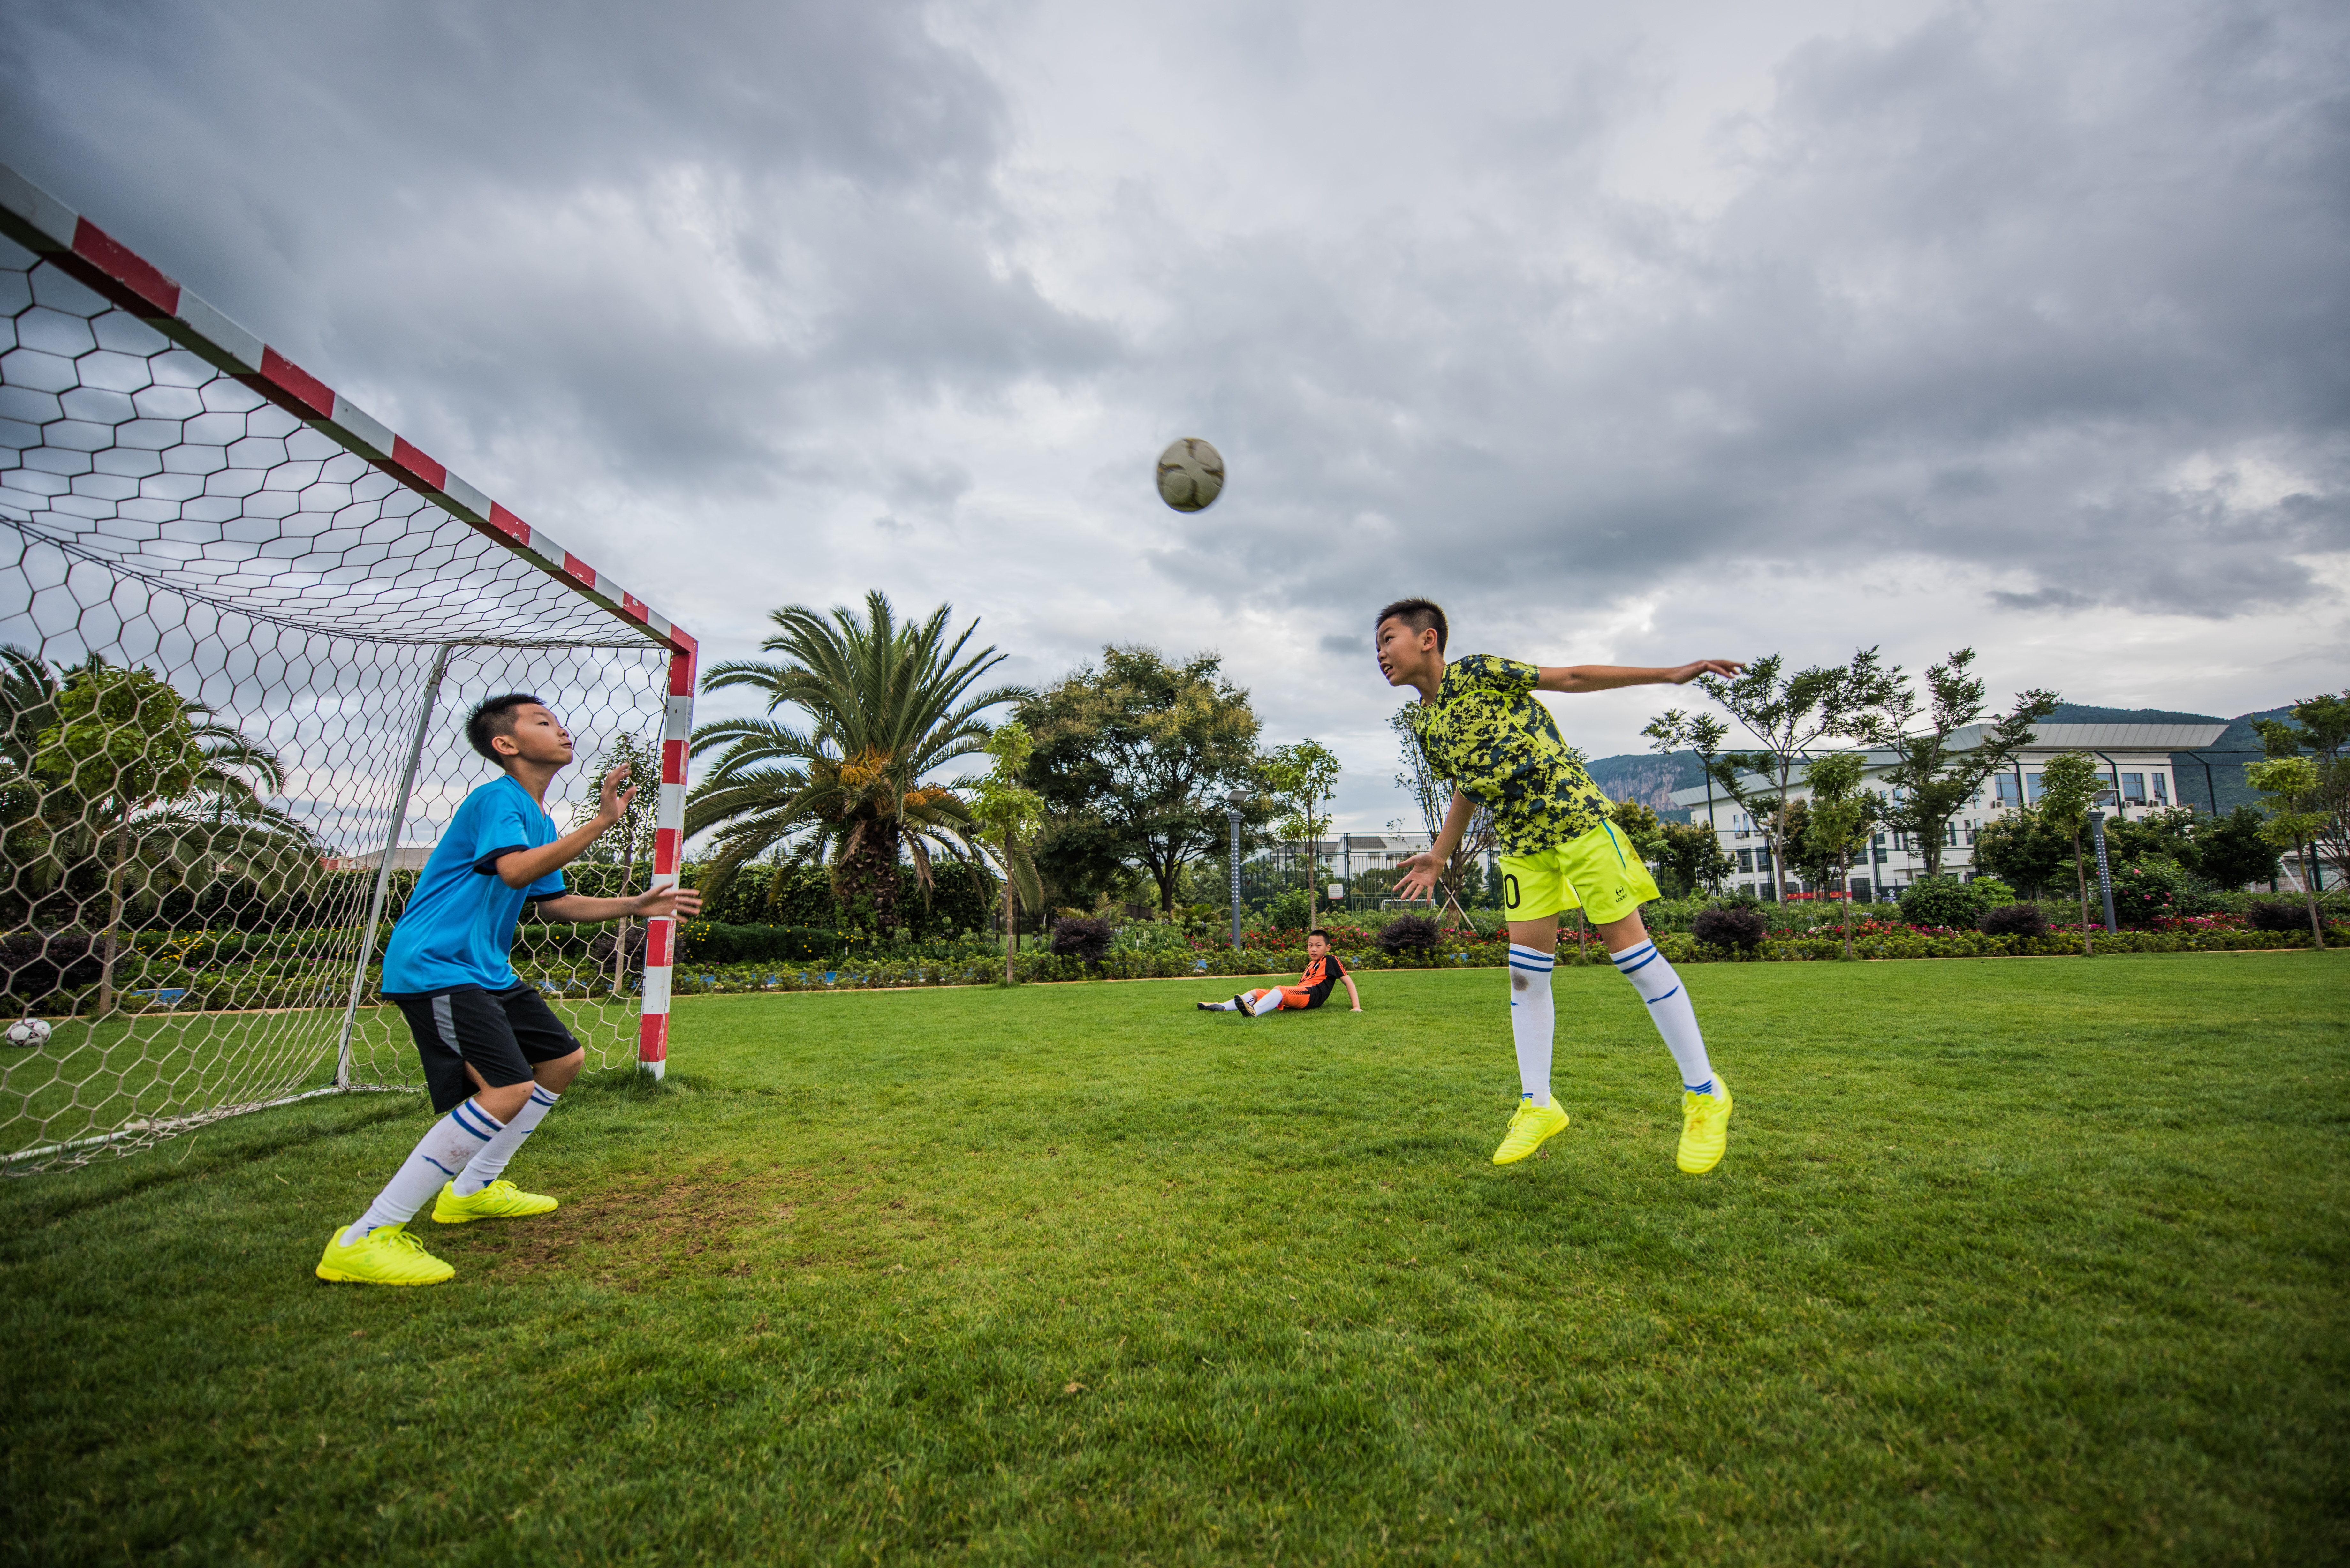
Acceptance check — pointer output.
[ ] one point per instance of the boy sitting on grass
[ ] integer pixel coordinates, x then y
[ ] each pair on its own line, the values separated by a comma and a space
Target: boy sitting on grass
495, 1056
1323, 971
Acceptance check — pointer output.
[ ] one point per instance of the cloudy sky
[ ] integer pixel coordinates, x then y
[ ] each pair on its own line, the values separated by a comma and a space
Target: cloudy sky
1632, 334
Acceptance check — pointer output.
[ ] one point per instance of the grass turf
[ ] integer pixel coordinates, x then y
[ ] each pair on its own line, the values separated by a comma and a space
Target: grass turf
2009, 1262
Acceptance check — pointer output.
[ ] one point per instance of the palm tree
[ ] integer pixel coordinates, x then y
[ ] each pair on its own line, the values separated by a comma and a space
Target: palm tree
887, 705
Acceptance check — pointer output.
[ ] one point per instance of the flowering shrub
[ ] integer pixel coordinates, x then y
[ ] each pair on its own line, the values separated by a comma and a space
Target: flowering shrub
2145, 891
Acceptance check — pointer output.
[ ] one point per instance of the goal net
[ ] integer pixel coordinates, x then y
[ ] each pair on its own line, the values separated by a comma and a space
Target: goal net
240, 627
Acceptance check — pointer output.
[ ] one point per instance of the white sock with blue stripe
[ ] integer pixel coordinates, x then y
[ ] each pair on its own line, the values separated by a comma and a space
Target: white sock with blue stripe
1652, 976
490, 1163
1533, 1018
439, 1155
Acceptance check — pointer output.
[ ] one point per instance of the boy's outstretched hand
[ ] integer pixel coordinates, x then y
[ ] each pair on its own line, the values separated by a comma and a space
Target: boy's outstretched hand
614, 803
1420, 874
684, 902
1725, 668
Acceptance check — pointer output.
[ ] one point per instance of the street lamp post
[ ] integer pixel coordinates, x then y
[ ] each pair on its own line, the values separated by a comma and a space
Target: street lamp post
2105, 874
1232, 819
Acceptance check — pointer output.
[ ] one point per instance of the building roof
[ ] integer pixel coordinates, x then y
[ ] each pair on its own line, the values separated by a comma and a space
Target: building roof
2104, 737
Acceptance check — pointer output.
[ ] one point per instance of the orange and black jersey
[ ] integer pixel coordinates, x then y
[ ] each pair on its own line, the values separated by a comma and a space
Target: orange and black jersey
1320, 975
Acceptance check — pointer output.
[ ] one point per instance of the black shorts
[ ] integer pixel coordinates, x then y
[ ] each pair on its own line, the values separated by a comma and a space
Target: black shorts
498, 1034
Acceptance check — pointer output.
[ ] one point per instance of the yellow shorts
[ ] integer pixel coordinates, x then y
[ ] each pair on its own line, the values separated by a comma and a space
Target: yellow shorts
1598, 872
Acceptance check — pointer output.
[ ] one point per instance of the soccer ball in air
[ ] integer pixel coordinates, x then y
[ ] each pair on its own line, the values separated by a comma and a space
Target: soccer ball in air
1191, 474
29, 1032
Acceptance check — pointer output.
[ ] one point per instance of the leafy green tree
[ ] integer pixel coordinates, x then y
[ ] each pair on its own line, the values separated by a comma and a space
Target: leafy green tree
1301, 779
2160, 834
2321, 727
2229, 851
128, 773
1135, 757
1007, 813
886, 706
1930, 779
2069, 786
1433, 796
2292, 793
1786, 714
1839, 818
1687, 858
629, 840
2023, 849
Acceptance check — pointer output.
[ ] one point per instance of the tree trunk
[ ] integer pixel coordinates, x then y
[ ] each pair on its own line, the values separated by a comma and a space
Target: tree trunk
114, 909
866, 875
1929, 844
1844, 875
2309, 896
1582, 939
620, 927
1010, 911
2081, 876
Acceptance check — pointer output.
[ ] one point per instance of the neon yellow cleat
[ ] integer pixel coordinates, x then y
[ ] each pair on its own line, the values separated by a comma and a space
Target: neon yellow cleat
389, 1256
1529, 1128
498, 1200
1705, 1128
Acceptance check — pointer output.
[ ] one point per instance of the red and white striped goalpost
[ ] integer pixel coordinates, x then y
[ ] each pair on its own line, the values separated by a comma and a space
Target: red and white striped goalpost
80, 248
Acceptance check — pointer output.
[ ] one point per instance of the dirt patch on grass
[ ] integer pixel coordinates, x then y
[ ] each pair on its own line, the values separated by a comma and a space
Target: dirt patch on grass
709, 1222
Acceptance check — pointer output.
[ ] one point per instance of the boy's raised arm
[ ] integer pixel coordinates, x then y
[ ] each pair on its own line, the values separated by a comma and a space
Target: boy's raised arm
1607, 677
524, 867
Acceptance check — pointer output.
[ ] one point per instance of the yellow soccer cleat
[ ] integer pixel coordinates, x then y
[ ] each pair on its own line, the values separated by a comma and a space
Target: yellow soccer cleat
498, 1200
388, 1256
1705, 1128
1529, 1128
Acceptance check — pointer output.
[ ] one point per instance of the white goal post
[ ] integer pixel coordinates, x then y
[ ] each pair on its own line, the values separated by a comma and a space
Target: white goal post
241, 623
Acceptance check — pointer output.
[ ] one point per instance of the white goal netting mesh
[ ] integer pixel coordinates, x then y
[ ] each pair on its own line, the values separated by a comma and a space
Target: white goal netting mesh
223, 636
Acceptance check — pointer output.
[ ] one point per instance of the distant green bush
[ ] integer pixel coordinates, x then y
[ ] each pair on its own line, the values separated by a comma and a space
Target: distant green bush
1945, 901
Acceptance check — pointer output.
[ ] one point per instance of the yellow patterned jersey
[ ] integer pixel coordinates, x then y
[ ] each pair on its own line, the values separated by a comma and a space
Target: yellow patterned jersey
1487, 734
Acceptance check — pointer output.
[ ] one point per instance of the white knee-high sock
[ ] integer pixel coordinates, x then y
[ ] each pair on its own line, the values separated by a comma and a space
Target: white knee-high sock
1533, 1018
1651, 974
1268, 1002
439, 1155
490, 1163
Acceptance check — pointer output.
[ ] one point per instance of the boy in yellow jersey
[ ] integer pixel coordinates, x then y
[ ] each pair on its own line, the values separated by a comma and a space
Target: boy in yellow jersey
1483, 730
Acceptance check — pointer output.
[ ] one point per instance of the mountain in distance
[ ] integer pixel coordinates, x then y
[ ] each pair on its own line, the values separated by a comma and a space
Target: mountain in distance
1651, 777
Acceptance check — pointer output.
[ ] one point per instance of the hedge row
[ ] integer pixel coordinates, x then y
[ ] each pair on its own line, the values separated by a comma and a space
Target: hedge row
155, 987
1679, 947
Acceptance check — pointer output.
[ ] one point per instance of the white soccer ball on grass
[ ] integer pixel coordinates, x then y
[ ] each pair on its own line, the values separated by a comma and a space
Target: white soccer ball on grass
29, 1032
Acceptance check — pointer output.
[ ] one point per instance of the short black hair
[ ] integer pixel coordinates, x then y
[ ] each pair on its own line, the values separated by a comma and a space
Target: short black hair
1417, 614
494, 717
1318, 931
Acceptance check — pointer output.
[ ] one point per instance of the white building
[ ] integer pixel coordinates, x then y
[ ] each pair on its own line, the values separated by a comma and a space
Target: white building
407, 857
2135, 757
1348, 854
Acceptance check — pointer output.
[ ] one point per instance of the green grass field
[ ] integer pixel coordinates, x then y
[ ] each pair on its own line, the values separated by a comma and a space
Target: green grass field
2010, 1261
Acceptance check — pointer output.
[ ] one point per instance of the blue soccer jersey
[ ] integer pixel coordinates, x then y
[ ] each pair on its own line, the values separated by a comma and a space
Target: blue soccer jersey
459, 925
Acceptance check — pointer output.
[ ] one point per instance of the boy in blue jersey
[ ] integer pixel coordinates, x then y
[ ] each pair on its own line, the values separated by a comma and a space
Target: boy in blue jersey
495, 1056
1482, 729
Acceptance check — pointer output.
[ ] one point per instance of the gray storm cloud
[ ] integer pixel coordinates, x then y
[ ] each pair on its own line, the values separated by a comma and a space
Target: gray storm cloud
2040, 307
